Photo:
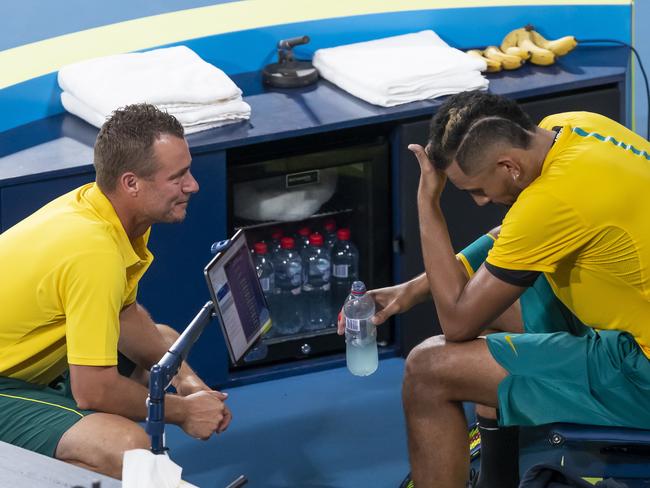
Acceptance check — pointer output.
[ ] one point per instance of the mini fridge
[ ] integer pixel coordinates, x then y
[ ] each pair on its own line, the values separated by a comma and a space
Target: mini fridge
335, 187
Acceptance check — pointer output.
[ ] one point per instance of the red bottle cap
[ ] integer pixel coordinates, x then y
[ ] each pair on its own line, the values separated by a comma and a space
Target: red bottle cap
277, 234
330, 225
343, 234
304, 231
316, 239
260, 248
287, 243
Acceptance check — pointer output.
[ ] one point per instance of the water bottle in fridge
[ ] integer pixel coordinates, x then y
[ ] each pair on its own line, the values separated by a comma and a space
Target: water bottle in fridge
360, 333
302, 238
274, 243
287, 265
316, 284
329, 235
266, 275
345, 268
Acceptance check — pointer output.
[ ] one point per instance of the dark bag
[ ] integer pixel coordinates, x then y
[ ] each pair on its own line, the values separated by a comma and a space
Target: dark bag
548, 476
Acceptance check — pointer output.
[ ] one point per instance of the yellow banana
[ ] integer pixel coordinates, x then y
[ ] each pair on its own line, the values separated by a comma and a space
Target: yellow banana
492, 65
559, 46
512, 38
517, 51
508, 61
538, 55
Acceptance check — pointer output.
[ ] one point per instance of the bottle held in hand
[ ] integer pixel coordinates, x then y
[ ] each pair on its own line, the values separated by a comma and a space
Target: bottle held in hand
360, 333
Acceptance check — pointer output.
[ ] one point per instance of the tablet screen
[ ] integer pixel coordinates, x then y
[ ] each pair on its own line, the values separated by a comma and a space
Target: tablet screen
238, 297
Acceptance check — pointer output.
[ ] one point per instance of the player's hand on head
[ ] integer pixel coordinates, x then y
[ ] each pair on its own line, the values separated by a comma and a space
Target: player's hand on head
432, 180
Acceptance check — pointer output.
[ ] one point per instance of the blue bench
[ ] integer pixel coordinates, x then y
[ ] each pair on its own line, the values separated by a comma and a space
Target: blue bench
607, 452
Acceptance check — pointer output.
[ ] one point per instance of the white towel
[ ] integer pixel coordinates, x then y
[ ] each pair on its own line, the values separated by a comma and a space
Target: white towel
169, 76
194, 118
400, 69
143, 469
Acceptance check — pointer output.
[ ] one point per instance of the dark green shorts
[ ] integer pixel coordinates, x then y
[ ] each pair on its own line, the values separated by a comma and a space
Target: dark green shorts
563, 371
35, 417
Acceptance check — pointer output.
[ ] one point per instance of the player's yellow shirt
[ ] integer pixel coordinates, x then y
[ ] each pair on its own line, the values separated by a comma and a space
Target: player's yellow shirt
585, 223
67, 272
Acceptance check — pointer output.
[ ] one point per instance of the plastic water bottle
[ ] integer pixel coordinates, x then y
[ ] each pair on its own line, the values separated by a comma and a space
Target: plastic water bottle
345, 268
360, 333
274, 243
265, 274
330, 234
288, 286
264, 268
302, 238
316, 284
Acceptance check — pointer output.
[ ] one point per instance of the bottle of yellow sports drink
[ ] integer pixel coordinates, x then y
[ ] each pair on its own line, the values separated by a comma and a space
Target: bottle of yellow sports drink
360, 332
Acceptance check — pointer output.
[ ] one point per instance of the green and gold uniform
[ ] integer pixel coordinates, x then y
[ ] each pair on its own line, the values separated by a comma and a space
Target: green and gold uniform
69, 270
583, 224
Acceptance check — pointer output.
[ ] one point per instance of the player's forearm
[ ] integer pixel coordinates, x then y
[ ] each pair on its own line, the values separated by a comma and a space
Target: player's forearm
445, 275
124, 397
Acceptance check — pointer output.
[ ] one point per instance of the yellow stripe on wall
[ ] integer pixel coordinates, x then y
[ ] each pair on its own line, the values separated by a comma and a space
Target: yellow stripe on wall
39, 58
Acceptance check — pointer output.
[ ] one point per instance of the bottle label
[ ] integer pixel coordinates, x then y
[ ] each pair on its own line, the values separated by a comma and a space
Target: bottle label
340, 270
353, 324
266, 284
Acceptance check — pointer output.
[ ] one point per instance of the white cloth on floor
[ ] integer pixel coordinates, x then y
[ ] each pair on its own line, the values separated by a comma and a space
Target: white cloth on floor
401, 69
143, 469
174, 79
198, 118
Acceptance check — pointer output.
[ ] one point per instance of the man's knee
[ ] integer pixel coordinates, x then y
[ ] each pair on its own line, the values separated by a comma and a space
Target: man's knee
425, 363
134, 438
98, 442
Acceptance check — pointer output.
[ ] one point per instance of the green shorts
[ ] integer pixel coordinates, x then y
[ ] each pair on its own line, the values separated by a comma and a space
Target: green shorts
35, 417
560, 370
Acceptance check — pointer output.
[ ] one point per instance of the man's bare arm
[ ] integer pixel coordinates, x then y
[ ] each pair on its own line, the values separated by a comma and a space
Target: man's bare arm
465, 307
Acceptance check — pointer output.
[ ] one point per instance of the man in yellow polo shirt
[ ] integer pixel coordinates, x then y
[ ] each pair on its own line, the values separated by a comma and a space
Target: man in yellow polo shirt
577, 188
71, 273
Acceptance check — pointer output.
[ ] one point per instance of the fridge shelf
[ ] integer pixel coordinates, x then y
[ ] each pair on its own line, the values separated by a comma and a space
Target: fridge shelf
325, 212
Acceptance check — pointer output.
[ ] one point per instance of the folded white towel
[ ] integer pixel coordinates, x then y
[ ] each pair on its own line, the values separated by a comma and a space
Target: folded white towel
143, 469
175, 75
400, 69
194, 118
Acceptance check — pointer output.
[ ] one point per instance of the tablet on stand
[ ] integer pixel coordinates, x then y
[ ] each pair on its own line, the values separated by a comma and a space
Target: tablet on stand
239, 304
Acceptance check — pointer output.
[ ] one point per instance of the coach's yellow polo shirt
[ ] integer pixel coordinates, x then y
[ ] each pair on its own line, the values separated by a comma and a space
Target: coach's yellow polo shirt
585, 223
67, 272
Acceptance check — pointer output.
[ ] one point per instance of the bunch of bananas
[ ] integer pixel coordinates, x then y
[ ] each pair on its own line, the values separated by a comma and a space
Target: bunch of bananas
521, 45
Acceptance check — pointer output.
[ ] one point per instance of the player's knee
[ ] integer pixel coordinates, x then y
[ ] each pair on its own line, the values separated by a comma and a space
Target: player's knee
423, 364
134, 438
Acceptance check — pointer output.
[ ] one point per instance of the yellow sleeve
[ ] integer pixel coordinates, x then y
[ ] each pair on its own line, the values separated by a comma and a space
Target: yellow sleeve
92, 295
537, 233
